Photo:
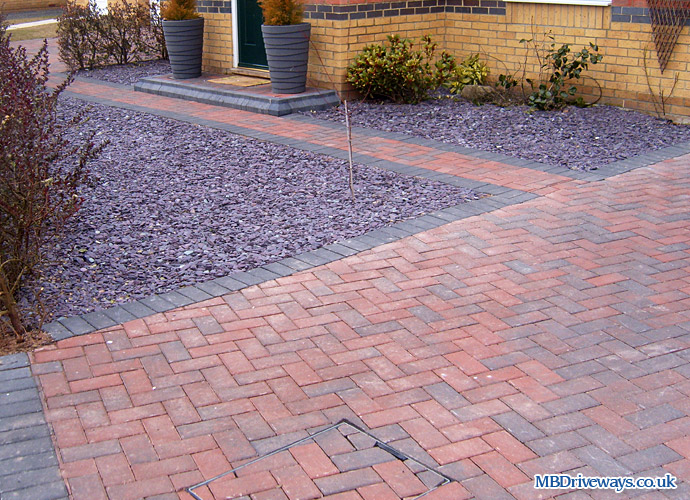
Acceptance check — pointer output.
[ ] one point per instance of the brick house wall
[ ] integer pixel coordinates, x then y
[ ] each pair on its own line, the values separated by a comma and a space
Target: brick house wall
623, 33
494, 28
218, 43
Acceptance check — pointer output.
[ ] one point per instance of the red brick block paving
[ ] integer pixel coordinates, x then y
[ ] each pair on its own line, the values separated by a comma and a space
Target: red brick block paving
552, 337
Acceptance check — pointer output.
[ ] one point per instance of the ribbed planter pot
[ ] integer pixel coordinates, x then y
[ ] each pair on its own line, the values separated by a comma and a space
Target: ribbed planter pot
185, 41
287, 52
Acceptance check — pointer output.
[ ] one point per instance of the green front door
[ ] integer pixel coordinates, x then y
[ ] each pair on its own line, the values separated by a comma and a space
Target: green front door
251, 44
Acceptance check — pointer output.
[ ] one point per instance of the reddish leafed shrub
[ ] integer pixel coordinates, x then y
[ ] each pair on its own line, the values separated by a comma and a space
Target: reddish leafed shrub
40, 171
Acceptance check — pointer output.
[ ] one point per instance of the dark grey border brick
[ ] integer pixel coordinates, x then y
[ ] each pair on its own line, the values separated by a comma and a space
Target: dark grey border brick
137, 309
13, 361
230, 283
53, 490
119, 314
28, 463
278, 269
76, 325
194, 293
157, 303
213, 288
99, 320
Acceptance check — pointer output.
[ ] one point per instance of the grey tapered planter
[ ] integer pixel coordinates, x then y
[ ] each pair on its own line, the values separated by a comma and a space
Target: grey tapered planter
287, 52
185, 41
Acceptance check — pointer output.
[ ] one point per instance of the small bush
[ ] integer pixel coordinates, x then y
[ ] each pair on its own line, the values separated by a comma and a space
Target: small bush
282, 12
506, 91
179, 10
446, 69
561, 68
80, 36
471, 71
40, 172
397, 72
128, 32
506, 82
557, 68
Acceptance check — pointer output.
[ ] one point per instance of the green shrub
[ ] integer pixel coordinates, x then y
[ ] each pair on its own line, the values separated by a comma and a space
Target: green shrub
560, 67
282, 12
40, 172
471, 71
446, 69
506, 82
80, 36
397, 72
128, 32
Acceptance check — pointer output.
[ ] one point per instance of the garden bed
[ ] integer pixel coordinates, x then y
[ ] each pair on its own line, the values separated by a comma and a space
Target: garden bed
171, 204
575, 138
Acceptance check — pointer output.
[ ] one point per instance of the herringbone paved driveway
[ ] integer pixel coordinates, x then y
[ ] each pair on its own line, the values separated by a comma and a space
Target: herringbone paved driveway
550, 336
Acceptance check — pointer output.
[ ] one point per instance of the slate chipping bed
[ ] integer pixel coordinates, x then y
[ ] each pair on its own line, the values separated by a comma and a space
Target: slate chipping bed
128, 74
171, 204
575, 138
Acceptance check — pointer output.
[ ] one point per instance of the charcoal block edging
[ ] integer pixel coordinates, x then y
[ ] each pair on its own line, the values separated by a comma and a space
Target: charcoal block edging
315, 99
25, 444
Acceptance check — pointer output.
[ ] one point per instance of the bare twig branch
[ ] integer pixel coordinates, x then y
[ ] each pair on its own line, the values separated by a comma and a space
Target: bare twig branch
348, 125
659, 99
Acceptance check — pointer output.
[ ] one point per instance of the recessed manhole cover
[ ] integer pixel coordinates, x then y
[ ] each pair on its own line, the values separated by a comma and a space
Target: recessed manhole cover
339, 458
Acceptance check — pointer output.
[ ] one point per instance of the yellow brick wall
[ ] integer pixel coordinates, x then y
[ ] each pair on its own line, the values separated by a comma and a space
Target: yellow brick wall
218, 48
17, 5
335, 44
330, 52
621, 74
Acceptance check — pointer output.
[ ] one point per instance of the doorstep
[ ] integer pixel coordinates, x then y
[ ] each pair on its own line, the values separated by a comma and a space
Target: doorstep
248, 93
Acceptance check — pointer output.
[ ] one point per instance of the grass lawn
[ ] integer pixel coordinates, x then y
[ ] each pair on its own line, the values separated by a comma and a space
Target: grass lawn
45, 31
32, 15
29, 19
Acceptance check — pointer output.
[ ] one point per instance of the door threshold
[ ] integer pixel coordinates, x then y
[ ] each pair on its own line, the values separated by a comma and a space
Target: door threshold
257, 73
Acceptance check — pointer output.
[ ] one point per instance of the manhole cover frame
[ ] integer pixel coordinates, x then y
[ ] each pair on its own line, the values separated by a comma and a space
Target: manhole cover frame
399, 455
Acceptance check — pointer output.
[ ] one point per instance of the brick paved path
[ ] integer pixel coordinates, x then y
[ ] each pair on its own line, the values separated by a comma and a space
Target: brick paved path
546, 336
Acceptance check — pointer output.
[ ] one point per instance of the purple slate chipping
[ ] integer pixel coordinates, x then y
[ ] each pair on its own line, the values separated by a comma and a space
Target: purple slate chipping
166, 209
576, 138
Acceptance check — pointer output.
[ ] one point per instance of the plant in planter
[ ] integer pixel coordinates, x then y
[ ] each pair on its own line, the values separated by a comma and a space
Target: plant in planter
286, 39
184, 37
